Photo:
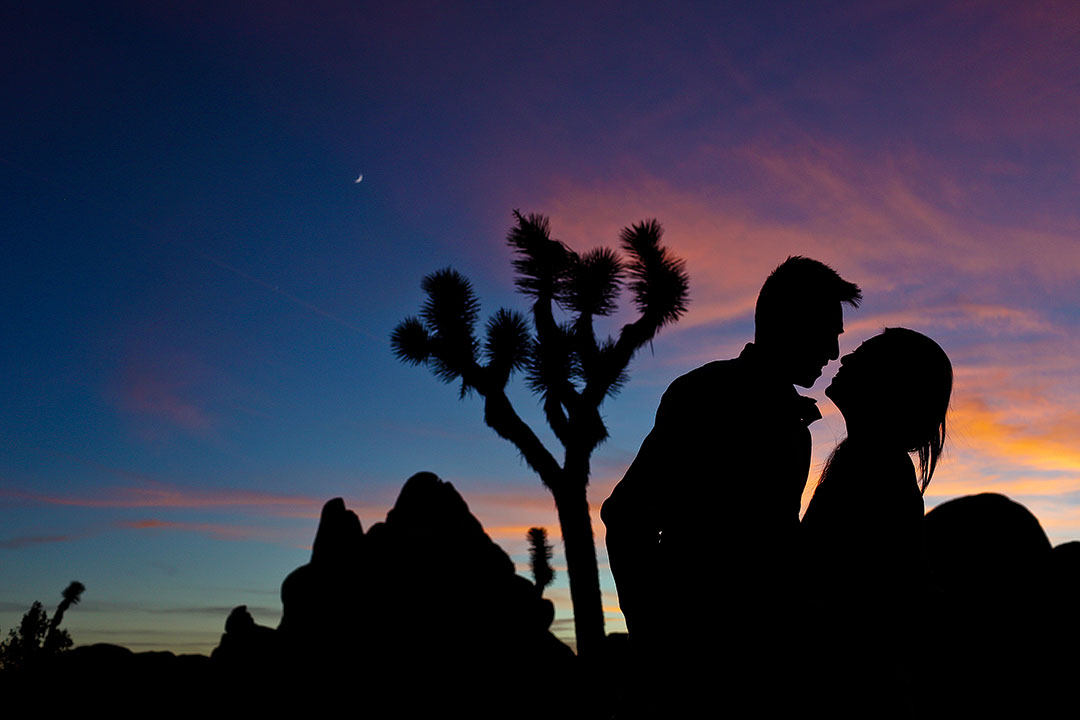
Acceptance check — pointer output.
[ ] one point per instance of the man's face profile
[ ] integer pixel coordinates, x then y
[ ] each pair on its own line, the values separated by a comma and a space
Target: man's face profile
813, 341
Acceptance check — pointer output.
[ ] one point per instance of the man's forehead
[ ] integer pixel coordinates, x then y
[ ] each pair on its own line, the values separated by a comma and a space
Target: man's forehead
823, 316
838, 317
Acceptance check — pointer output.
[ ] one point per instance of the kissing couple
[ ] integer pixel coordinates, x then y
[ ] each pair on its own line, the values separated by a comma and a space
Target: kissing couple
733, 605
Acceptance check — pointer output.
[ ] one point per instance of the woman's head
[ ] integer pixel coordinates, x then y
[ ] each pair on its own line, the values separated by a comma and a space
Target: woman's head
894, 390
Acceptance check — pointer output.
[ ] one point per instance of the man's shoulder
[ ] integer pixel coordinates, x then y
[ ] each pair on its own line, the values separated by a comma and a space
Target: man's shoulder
738, 385
709, 376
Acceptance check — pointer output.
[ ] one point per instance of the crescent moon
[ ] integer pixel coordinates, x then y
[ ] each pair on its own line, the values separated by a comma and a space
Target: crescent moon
359, 177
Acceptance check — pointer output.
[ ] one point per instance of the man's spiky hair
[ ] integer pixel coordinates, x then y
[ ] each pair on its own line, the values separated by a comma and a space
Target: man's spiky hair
797, 282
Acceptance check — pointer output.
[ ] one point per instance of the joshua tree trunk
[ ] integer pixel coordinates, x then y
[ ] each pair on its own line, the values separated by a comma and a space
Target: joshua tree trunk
575, 522
568, 486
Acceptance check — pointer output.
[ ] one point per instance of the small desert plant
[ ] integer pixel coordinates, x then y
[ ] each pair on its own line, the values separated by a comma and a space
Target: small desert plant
540, 558
36, 637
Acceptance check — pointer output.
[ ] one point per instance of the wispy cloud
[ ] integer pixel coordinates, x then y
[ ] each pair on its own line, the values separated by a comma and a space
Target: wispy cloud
156, 396
989, 319
169, 388
17, 543
1016, 59
221, 531
160, 495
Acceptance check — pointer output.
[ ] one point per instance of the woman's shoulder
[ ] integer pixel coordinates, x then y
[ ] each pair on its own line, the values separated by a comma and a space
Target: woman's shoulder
876, 476
898, 489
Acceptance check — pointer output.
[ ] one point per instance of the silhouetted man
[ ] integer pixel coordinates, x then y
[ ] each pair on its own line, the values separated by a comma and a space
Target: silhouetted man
701, 529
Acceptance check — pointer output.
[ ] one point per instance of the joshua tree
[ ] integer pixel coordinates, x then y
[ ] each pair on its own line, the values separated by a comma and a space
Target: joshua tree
565, 363
540, 558
58, 639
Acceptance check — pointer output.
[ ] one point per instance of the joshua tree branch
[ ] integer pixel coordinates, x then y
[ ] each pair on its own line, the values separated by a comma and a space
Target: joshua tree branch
544, 319
560, 394
480, 377
500, 416
556, 417
585, 341
587, 429
632, 336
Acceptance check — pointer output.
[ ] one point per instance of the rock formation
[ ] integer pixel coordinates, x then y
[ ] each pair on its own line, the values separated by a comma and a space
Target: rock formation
423, 612
988, 610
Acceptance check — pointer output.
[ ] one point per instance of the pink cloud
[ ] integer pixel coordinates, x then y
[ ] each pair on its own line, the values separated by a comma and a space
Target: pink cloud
987, 318
147, 394
217, 530
889, 220
168, 389
167, 496
17, 543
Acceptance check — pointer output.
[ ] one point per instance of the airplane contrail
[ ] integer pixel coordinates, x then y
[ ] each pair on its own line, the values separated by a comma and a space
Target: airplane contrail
288, 296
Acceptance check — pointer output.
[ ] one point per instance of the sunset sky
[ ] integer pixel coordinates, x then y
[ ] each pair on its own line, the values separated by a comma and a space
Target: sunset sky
198, 296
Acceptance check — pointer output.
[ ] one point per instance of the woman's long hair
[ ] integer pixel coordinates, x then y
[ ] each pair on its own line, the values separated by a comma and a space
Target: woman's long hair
921, 374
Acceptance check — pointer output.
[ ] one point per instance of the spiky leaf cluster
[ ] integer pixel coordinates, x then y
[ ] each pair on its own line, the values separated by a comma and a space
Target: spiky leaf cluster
411, 341
443, 337
541, 263
565, 362
450, 313
554, 361
658, 280
72, 593
592, 282
548, 270
508, 346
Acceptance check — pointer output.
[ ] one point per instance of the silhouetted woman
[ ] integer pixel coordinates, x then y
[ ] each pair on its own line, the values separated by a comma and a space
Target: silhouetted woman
863, 528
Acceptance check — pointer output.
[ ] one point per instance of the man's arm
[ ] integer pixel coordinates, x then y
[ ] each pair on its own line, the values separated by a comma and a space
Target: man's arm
634, 516
633, 544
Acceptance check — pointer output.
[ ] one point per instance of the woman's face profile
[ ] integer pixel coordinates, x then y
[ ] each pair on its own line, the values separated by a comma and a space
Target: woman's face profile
847, 374
893, 392
861, 383
892, 384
